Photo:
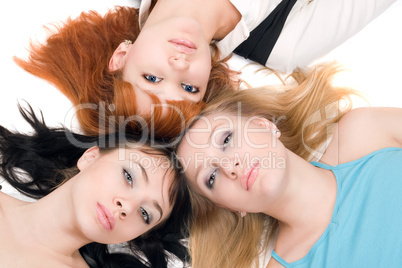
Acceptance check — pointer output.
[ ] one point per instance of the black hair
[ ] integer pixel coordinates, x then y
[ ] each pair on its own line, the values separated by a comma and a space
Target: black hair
47, 152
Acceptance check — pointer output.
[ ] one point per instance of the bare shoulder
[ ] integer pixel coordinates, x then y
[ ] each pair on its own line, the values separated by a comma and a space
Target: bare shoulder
362, 131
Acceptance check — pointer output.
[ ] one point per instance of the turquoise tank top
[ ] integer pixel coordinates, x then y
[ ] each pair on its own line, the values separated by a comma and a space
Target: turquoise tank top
366, 224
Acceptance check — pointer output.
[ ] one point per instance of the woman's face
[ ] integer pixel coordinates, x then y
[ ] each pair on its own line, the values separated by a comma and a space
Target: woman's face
237, 162
120, 195
170, 59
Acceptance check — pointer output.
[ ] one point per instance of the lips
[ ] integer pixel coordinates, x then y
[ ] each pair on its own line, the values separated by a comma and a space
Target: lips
250, 175
183, 45
105, 217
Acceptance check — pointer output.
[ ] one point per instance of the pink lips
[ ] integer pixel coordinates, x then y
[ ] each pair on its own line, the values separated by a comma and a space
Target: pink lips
250, 175
183, 45
105, 217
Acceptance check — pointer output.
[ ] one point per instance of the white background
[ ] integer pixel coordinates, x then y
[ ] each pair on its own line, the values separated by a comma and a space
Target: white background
373, 57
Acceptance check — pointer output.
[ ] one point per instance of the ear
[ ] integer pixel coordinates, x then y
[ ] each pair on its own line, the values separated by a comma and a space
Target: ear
118, 58
263, 122
88, 157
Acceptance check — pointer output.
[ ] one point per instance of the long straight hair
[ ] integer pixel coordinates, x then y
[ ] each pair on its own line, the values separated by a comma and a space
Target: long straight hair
306, 115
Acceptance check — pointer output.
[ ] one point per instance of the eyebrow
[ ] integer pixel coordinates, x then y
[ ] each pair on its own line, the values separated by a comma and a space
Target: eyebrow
158, 207
146, 178
200, 167
212, 132
199, 176
144, 172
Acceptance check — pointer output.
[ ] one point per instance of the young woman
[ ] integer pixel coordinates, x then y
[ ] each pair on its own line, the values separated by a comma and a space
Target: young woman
163, 50
120, 189
245, 158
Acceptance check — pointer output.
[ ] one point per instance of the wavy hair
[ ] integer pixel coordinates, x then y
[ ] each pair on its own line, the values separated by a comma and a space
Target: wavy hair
306, 115
48, 167
75, 59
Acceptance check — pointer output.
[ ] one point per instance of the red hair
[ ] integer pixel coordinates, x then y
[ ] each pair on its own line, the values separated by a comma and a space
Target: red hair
75, 58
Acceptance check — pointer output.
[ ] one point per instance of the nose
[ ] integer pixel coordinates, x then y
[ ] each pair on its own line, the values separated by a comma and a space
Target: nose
123, 208
179, 62
232, 170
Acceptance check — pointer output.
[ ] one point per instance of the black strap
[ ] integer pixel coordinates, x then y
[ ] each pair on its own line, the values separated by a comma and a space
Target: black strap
262, 39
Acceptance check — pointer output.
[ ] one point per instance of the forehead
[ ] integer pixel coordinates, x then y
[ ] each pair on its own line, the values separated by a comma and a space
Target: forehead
209, 132
204, 137
209, 129
144, 102
150, 159
207, 125
135, 152
158, 168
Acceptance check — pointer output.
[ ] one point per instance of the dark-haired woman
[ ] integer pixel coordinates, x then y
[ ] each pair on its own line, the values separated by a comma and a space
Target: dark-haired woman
91, 191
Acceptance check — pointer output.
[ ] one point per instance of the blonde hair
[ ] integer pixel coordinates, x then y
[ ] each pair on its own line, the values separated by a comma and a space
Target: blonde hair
306, 115
220, 238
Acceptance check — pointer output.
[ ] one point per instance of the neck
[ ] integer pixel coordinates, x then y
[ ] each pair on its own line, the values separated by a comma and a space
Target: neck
307, 202
217, 18
49, 225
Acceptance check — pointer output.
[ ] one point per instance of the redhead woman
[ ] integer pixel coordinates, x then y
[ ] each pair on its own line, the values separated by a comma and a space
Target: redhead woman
252, 188
88, 198
123, 62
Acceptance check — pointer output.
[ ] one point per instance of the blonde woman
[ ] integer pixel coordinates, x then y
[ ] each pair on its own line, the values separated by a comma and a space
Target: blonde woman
245, 158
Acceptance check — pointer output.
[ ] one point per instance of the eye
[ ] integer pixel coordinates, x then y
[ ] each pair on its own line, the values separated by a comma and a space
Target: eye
152, 78
211, 180
189, 88
128, 177
227, 139
145, 216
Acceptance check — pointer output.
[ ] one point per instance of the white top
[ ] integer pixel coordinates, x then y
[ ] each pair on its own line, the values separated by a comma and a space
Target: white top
312, 29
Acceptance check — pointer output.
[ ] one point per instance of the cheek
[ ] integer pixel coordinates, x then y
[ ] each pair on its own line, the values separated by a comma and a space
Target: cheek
204, 70
272, 183
228, 196
258, 141
149, 50
129, 230
201, 68
138, 60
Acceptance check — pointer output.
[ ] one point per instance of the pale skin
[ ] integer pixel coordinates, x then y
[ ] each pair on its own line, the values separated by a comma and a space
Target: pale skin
215, 23
49, 232
155, 64
360, 132
302, 196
